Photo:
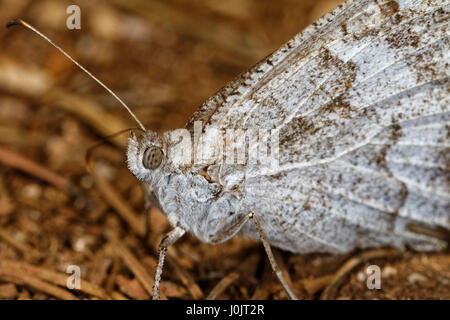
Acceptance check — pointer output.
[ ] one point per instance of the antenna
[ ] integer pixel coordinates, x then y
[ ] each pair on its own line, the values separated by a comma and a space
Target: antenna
25, 24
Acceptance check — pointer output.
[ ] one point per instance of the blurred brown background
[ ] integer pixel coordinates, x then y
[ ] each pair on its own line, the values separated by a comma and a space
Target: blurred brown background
163, 58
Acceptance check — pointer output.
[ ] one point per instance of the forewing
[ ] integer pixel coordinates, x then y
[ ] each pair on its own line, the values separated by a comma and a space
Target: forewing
361, 101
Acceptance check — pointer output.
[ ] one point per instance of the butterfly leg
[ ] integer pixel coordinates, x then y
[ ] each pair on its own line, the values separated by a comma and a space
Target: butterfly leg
169, 239
272, 260
273, 263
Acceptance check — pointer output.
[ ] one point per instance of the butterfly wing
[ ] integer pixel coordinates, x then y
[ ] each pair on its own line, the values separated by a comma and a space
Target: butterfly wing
361, 103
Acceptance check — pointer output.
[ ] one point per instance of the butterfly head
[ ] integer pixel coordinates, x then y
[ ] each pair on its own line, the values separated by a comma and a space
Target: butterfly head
146, 156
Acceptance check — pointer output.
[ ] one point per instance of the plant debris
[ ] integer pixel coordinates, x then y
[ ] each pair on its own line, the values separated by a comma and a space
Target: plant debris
164, 59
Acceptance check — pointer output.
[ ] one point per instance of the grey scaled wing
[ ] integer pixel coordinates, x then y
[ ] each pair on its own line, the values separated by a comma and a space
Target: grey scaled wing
361, 101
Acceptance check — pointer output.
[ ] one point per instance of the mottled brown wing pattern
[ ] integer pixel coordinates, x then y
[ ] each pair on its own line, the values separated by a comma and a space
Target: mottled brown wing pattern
351, 19
361, 101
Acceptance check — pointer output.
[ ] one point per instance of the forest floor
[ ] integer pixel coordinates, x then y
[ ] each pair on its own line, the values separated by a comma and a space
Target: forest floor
164, 58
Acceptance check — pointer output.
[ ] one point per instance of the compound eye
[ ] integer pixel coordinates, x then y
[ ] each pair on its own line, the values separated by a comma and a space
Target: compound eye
152, 158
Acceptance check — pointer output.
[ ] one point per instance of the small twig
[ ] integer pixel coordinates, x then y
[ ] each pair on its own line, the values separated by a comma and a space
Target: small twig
184, 276
283, 268
25, 249
131, 287
136, 267
116, 295
262, 291
119, 204
111, 279
331, 290
52, 277
18, 161
313, 285
222, 285
241, 270
21, 278
90, 112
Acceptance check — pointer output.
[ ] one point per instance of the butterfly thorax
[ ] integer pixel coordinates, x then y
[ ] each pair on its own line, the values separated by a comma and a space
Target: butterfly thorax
203, 200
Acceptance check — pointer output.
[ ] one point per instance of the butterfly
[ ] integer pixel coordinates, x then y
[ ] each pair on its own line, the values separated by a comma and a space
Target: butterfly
359, 102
